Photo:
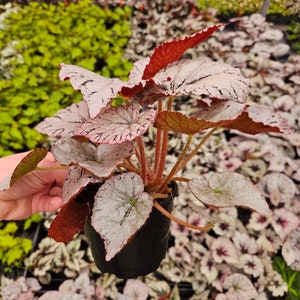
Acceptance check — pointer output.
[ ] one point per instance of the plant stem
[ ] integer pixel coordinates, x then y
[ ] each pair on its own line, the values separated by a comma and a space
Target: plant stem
163, 147
194, 152
175, 168
178, 221
52, 168
143, 160
158, 142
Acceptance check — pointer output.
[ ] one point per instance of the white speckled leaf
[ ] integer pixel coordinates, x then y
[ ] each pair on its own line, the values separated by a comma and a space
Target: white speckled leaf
75, 181
108, 157
117, 125
69, 151
97, 90
228, 189
198, 77
121, 208
65, 121
101, 160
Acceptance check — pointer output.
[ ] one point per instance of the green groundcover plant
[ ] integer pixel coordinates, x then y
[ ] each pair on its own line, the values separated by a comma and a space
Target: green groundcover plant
34, 40
279, 7
14, 247
103, 143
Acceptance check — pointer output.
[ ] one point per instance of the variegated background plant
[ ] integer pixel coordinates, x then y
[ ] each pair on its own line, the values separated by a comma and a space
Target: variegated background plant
236, 259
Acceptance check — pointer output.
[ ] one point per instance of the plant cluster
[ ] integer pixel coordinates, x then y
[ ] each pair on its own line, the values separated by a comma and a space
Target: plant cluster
57, 258
293, 31
234, 8
34, 40
13, 248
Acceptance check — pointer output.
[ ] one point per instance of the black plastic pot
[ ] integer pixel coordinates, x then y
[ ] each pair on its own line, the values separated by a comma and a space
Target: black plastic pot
144, 252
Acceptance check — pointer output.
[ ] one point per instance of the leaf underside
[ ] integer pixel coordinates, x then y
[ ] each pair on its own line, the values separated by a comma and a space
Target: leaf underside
169, 52
225, 114
69, 221
28, 164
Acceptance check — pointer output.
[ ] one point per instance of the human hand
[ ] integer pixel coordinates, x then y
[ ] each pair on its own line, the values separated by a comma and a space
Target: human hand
37, 191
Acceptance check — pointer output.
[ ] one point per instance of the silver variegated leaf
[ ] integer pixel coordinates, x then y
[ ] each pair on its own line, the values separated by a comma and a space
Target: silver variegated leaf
75, 181
117, 125
65, 121
197, 77
228, 189
100, 161
97, 91
121, 208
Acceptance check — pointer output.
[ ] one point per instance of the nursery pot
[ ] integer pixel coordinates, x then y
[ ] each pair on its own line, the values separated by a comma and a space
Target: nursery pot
144, 252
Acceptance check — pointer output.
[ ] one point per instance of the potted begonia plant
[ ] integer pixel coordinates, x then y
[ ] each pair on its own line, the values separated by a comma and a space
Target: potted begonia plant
118, 187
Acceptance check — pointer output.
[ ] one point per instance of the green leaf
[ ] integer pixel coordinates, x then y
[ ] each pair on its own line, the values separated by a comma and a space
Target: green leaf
33, 219
291, 277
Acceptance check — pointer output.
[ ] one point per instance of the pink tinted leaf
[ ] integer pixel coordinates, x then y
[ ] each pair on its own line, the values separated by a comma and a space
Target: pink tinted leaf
97, 91
66, 121
240, 287
228, 189
199, 77
121, 207
28, 164
258, 119
220, 111
108, 157
196, 77
100, 160
75, 181
117, 125
69, 151
136, 289
169, 52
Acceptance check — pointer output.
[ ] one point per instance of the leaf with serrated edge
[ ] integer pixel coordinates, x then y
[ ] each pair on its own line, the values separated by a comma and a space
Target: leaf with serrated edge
69, 151
196, 77
97, 91
65, 121
121, 207
100, 160
218, 114
75, 181
108, 157
169, 52
228, 189
258, 119
28, 164
178, 122
117, 125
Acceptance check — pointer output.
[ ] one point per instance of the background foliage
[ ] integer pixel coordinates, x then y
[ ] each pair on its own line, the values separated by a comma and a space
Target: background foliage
224, 7
35, 40
13, 249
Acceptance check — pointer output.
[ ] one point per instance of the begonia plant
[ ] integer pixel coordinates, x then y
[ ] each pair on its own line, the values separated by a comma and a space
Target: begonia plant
102, 139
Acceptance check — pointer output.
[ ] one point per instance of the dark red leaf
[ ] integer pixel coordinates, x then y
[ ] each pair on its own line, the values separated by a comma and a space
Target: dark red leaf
69, 221
169, 52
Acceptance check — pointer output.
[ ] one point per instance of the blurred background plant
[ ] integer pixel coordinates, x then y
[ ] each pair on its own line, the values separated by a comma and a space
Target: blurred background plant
15, 245
34, 40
